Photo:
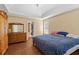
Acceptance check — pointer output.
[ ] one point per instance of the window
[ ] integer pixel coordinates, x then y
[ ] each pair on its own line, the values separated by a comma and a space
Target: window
46, 27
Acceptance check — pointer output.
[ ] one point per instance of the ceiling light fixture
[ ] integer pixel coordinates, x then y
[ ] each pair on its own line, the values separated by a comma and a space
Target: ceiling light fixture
37, 5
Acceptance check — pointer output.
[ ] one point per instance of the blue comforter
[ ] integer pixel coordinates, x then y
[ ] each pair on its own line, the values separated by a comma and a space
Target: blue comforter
54, 45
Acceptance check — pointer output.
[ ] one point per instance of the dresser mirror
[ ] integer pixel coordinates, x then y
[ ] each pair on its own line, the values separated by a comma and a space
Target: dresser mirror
16, 27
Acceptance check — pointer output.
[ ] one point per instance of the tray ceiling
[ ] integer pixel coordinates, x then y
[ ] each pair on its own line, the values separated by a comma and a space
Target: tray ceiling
39, 10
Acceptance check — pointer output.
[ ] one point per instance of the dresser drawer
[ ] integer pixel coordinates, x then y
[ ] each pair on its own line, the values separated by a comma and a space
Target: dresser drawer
16, 37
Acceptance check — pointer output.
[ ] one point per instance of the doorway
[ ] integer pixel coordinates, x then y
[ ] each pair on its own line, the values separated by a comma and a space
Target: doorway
31, 28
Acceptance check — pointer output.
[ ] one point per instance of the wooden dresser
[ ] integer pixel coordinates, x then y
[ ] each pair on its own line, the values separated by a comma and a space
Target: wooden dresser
3, 32
17, 37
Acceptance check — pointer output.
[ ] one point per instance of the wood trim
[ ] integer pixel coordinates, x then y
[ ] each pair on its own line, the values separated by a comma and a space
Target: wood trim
3, 14
16, 24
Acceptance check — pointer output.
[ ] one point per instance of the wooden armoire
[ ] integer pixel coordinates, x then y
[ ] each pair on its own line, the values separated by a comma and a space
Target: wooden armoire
3, 32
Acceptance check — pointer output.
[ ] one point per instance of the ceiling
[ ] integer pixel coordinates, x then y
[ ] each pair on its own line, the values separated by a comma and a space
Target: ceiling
41, 11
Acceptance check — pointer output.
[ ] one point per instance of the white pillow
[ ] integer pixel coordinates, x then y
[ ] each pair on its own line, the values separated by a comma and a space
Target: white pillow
73, 36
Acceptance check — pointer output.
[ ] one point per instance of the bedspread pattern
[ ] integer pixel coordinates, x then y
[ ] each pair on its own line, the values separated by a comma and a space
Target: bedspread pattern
54, 45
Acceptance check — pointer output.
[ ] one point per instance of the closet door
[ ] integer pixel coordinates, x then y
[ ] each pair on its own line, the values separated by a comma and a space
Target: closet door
3, 33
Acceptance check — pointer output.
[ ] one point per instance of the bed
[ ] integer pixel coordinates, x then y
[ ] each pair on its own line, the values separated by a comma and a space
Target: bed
56, 45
